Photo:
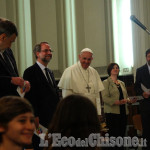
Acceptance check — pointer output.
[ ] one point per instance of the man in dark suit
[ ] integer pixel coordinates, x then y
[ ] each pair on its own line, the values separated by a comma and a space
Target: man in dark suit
9, 78
143, 77
43, 94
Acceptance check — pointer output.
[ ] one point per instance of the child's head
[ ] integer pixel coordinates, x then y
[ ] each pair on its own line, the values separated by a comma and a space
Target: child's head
16, 120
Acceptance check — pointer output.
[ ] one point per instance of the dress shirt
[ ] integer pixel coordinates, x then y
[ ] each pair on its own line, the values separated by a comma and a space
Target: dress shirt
148, 67
43, 70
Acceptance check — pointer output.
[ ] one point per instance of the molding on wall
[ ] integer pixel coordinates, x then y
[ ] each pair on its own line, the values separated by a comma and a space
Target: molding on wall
102, 70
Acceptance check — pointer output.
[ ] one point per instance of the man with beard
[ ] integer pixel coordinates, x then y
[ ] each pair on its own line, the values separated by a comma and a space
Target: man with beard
43, 94
143, 79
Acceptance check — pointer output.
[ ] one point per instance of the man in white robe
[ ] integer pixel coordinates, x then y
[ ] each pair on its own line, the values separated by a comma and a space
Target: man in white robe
82, 79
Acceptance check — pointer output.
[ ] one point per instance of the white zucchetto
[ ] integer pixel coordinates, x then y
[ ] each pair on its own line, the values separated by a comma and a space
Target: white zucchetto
86, 50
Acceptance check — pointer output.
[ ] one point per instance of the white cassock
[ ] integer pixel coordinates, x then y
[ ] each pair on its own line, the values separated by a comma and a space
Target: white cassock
85, 82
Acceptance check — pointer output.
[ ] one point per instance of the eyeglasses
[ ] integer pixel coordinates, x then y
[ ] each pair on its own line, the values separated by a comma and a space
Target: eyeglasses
47, 50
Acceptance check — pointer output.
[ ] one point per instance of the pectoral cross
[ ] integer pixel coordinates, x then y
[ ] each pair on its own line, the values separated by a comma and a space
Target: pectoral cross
88, 88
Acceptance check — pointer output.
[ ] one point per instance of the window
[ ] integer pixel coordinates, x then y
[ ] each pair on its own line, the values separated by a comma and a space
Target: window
122, 31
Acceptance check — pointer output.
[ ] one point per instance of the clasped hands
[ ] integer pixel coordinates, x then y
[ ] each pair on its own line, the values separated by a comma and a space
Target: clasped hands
21, 82
121, 102
124, 101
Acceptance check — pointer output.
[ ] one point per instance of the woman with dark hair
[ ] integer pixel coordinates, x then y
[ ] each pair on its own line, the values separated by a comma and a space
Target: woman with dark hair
115, 99
16, 123
76, 117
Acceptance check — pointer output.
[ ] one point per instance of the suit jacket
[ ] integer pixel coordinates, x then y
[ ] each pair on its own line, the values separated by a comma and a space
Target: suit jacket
143, 76
42, 95
6, 87
110, 94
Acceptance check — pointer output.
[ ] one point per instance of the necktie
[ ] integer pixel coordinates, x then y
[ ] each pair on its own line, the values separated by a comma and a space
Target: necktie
9, 64
48, 76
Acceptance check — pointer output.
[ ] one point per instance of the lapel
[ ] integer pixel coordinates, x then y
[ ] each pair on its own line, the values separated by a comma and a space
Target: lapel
4, 65
12, 59
52, 77
112, 84
146, 73
41, 75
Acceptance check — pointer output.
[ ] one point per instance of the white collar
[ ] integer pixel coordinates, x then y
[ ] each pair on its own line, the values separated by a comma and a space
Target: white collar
148, 67
79, 64
40, 65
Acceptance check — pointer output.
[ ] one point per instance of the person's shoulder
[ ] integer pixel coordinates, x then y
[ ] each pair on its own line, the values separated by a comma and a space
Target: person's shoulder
9, 50
72, 67
30, 68
107, 80
93, 69
142, 68
121, 81
94, 72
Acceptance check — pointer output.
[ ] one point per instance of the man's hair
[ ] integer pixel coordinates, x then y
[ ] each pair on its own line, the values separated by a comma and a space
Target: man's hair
7, 27
110, 67
75, 116
147, 52
10, 107
37, 48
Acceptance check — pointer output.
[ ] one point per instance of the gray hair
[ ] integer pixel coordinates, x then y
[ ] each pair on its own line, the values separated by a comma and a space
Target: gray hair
7, 27
37, 48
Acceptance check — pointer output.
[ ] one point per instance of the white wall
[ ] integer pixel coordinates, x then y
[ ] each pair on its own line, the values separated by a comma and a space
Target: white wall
50, 25
46, 26
94, 25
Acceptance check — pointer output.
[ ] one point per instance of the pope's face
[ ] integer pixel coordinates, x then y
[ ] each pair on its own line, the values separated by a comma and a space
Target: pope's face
20, 130
148, 58
85, 59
